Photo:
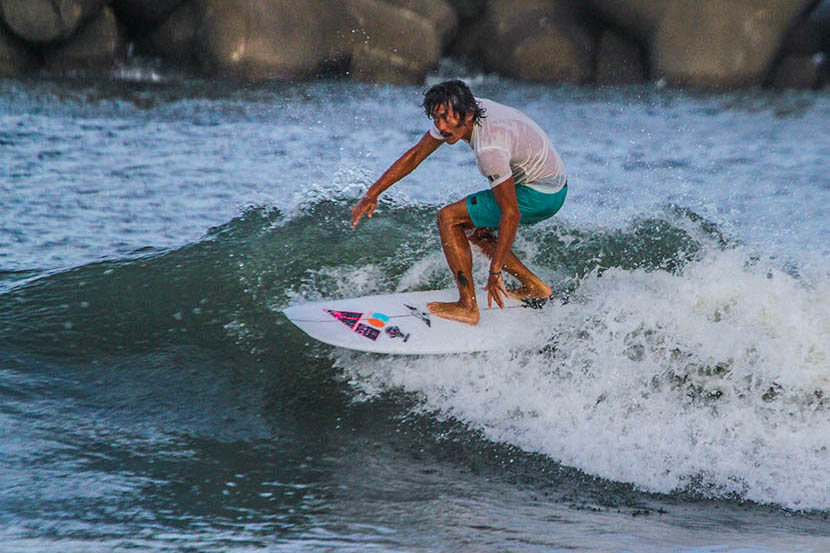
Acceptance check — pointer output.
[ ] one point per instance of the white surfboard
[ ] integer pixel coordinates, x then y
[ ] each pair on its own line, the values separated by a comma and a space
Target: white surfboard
401, 324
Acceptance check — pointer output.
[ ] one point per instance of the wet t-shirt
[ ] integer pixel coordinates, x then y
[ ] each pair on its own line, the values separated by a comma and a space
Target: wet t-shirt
509, 143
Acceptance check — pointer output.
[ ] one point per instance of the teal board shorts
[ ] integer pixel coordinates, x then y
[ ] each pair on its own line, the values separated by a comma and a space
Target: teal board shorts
534, 206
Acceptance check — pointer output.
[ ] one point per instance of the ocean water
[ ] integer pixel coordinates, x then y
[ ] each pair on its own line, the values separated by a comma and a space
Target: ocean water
153, 397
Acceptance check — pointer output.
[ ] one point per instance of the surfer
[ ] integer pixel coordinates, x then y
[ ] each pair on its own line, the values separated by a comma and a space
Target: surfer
527, 185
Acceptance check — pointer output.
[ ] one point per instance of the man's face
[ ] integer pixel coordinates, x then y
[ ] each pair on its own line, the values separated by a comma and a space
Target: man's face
451, 126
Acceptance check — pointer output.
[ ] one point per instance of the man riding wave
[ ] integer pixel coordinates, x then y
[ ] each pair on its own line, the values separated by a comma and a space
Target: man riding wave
527, 185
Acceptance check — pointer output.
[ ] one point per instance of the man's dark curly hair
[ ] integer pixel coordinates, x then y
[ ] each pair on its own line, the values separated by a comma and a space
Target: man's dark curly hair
456, 94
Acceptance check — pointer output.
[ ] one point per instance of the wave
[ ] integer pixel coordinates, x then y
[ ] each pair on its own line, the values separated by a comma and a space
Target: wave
677, 360
241, 273
709, 379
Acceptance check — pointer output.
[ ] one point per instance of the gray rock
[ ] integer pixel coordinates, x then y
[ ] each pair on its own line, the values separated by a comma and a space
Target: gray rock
438, 12
469, 9
175, 39
144, 11
392, 44
798, 71
812, 34
15, 58
97, 45
639, 18
261, 40
468, 40
707, 43
820, 17
721, 43
538, 40
619, 60
43, 21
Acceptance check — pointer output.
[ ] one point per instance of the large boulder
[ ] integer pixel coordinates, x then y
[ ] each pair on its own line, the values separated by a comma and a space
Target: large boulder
144, 11
798, 71
43, 21
820, 18
639, 18
812, 34
706, 43
537, 40
392, 44
721, 43
468, 41
15, 58
620, 60
468, 9
96, 45
174, 39
438, 12
261, 40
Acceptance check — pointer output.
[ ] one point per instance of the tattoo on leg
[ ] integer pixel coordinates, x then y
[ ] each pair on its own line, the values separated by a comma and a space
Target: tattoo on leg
462, 280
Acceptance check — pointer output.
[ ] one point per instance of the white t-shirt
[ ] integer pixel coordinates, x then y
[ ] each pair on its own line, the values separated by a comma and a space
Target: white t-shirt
508, 143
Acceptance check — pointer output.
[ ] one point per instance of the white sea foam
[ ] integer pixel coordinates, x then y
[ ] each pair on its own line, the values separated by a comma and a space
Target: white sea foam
339, 282
715, 378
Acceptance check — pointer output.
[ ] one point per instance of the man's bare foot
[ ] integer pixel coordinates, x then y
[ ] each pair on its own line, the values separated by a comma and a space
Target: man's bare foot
454, 311
527, 292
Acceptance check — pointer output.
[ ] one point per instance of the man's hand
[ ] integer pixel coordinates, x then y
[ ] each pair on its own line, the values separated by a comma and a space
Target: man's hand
401, 168
366, 206
495, 288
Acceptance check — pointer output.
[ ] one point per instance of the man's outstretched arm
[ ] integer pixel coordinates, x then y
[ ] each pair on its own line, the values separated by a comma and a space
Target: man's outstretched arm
398, 170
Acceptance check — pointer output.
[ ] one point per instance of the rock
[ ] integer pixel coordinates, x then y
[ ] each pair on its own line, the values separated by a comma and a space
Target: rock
468, 9
639, 18
798, 71
538, 40
820, 17
619, 60
555, 53
468, 41
501, 15
392, 44
43, 21
720, 43
96, 45
175, 39
802, 39
15, 58
134, 12
812, 34
438, 12
261, 40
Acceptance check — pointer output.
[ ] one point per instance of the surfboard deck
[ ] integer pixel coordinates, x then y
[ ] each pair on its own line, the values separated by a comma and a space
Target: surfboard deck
401, 324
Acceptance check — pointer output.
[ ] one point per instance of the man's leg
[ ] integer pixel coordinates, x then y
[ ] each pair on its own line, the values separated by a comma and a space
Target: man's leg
453, 221
532, 286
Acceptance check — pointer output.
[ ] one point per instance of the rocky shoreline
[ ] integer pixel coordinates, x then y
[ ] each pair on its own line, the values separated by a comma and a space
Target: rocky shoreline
683, 43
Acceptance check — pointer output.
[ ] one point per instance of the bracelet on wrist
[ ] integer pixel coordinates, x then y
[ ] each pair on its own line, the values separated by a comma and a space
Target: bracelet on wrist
495, 273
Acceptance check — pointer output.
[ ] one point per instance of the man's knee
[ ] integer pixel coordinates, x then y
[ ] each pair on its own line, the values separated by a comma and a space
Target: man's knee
453, 215
444, 216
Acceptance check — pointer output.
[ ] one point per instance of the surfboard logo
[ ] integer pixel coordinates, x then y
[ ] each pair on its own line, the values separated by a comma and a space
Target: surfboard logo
371, 327
348, 318
367, 331
395, 332
378, 320
418, 314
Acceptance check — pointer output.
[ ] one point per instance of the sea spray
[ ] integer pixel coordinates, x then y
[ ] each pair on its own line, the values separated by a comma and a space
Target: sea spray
711, 380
